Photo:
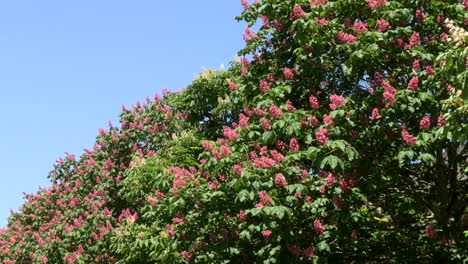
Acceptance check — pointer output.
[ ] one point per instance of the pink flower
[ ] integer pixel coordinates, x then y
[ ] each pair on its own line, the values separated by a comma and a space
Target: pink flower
280, 181
408, 139
389, 92
413, 83
266, 233
206, 145
375, 114
430, 232
297, 12
265, 198
336, 101
232, 85
276, 155
264, 85
373, 4
346, 37
186, 255
419, 15
318, 2
321, 136
266, 124
416, 65
288, 73
319, 228
293, 145
213, 184
382, 25
290, 107
245, 4
430, 70
321, 21
360, 27
441, 121
327, 119
44, 259
243, 121
248, 34
309, 251
425, 122
242, 216
314, 102
229, 133
415, 39
330, 179
177, 220
275, 111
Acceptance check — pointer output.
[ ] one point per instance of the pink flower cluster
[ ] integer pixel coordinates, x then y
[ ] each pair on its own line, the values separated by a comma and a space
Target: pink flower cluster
297, 12
413, 83
245, 4
275, 111
288, 73
360, 27
265, 198
382, 25
319, 228
336, 101
408, 139
232, 85
425, 122
346, 37
293, 145
264, 85
280, 181
389, 92
248, 35
321, 136
314, 102
373, 4
229, 133
318, 2
375, 114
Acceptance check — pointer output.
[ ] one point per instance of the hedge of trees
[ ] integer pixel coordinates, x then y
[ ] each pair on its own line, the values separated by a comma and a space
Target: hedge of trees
338, 136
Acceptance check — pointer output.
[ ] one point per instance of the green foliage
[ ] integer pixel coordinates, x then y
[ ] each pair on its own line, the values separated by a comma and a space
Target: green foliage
343, 140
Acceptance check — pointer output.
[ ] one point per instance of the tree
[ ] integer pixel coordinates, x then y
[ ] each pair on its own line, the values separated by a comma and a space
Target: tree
340, 135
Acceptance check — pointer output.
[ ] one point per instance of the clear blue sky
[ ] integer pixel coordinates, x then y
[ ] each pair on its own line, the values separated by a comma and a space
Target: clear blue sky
67, 66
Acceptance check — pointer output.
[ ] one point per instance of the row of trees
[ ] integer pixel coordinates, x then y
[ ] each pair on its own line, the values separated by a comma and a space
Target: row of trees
339, 135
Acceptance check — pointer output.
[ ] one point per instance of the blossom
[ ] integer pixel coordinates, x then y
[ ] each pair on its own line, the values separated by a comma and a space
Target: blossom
382, 25
373, 4
265, 198
415, 39
408, 139
243, 121
318, 2
413, 83
321, 136
275, 111
288, 73
293, 145
248, 34
360, 27
242, 216
280, 181
297, 12
430, 232
266, 233
290, 107
419, 15
245, 4
206, 145
327, 120
266, 124
232, 85
264, 85
389, 92
44, 259
186, 255
416, 65
314, 102
375, 114
425, 122
441, 121
430, 70
229, 133
330, 179
309, 251
276, 155
346, 37
336, 101
319, 228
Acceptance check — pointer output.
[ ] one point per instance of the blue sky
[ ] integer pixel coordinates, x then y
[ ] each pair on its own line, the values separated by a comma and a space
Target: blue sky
67, 66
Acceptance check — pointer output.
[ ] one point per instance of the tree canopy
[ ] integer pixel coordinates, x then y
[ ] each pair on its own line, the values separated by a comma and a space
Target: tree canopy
338, 136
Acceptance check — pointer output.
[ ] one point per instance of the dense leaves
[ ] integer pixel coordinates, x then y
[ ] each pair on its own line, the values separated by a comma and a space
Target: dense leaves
340, 135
